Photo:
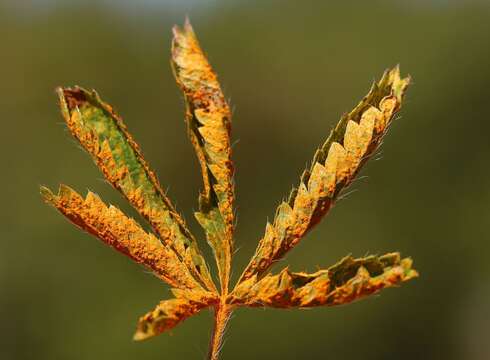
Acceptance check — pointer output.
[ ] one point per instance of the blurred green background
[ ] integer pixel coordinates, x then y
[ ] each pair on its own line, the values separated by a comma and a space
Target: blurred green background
290, 69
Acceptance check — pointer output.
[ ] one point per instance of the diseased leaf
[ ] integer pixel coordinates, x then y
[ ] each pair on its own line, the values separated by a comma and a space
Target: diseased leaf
103, 134
208, 119
334, 166
114, 228
111, 226
169, 313
351, 279
173, 254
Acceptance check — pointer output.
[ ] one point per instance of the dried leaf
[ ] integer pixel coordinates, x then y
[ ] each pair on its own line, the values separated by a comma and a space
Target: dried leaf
351, 279
334, 166
208, 119
103, 134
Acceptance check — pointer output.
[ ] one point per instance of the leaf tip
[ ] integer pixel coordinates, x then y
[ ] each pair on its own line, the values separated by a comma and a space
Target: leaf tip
187, 24
46, 194
140, 335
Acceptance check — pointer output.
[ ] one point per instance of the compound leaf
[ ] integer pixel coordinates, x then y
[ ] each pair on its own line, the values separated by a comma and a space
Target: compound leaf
173, 255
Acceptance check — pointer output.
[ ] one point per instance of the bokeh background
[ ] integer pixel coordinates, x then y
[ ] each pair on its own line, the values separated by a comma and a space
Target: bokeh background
291, 69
